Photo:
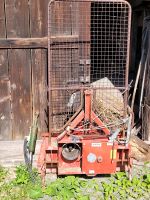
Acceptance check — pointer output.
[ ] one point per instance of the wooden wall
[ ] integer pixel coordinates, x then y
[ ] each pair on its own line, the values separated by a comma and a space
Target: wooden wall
23, 69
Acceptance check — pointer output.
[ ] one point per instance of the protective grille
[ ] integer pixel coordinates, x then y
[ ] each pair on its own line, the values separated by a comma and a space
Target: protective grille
88, 48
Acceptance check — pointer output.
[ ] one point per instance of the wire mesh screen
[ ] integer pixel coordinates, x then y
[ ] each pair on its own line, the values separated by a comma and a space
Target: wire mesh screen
88, 48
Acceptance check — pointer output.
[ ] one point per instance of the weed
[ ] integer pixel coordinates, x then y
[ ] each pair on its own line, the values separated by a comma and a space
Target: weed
23, 176
73, 188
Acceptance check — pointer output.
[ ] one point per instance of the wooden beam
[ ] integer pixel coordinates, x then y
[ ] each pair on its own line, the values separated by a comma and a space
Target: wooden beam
23, 43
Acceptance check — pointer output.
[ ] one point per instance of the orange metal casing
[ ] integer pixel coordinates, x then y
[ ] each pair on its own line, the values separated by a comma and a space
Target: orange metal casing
104, 163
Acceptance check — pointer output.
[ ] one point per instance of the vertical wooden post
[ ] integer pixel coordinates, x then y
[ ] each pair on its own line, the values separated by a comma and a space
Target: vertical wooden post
146, 109
38, 28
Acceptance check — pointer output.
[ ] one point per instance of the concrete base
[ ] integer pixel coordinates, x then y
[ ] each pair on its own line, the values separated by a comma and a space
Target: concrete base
11, 153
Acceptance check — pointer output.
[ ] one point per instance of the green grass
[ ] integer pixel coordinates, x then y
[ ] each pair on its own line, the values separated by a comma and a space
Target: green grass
116, 187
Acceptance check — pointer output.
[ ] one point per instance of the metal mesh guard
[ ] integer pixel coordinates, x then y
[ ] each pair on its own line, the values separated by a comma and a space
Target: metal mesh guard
88, 48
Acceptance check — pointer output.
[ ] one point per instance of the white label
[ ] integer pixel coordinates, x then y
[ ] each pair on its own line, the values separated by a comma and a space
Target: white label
109, 143
91, 171
96, 144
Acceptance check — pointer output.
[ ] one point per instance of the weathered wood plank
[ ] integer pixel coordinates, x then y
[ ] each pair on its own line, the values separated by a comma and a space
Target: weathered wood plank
38, 43
23, 43
3, 64
60, 18
17, 14
20, 71
146, 109
147, 81
38, 17
17, 18
5, 114
2, 18
3, 53
139, 149
3, 91
39, 86
146, 122
38, 28
5, 111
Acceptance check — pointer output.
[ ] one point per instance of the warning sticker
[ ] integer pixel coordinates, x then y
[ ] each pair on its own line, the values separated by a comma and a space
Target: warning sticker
96, 144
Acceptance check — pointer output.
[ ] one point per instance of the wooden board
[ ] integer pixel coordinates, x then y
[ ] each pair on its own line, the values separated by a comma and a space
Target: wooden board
23, 43
20, 70
3, 53
147, 82
140, 150
38, 28
146, 106
24, 70
5, 111
3, 64
146, 122
39, 87
146, 109
5, 114
17, 15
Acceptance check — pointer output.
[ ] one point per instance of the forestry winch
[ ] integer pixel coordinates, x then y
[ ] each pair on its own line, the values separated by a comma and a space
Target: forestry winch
88, 58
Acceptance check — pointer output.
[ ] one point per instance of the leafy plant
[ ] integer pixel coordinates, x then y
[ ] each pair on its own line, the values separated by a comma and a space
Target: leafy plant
73, 188
36, 192
67, 188
23, 176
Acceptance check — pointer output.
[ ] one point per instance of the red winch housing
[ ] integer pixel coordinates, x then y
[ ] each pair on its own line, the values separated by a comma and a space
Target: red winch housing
87, 151
88, 61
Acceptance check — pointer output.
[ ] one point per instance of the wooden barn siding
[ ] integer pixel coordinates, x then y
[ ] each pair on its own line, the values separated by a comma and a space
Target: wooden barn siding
23, 72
